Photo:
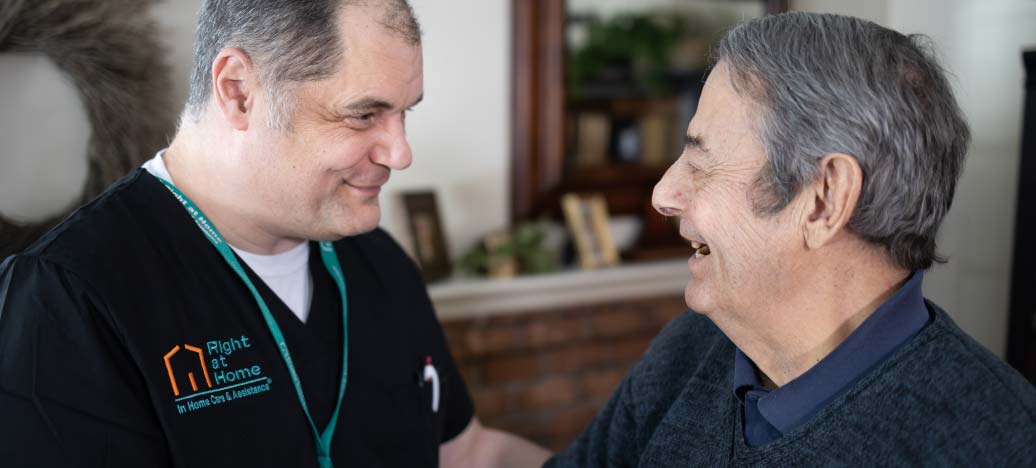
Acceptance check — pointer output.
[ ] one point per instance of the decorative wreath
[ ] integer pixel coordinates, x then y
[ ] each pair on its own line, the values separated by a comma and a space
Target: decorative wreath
111, 52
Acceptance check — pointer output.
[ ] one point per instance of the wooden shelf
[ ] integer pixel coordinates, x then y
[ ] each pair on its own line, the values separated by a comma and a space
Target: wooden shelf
613, 174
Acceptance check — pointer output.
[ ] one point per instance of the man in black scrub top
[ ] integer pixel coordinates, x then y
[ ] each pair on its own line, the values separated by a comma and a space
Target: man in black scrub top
232, 303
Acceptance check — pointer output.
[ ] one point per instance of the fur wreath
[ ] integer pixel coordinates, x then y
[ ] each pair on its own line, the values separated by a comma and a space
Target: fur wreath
110, 50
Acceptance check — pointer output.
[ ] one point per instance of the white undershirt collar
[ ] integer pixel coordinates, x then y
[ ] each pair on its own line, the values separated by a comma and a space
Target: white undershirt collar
285, 273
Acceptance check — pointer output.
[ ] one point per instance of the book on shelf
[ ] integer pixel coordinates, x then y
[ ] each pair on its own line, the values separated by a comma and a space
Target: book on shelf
593, 133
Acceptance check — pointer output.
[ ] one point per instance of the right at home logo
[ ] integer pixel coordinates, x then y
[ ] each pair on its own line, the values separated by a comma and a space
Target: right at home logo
203, 378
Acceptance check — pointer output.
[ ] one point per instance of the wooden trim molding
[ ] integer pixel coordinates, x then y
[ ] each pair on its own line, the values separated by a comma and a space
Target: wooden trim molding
538, 101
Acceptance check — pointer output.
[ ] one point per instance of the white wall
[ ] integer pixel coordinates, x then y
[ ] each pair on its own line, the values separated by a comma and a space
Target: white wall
871, 10
460, 133
176, 24
980, 44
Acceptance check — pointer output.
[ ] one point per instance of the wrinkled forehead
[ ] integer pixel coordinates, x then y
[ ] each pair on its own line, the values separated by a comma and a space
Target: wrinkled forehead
725, 117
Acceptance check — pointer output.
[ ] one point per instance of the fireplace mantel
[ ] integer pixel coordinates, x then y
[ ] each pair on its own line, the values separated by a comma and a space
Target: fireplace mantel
468, 298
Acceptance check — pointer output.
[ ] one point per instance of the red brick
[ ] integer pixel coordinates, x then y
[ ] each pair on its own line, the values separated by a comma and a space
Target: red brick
457, 344
499, 421
630, 350
544, 333
525, 424
492, 340
549, 393
502, 370
489, 403
544, 375
602, 383
515, 319
621, 322
471, 372
579, 356
556, 444
456, 325
544, 438
569, 423
669, 309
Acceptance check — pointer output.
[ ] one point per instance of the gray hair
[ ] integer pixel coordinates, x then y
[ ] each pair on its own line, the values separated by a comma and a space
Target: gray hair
834, 84
290, 41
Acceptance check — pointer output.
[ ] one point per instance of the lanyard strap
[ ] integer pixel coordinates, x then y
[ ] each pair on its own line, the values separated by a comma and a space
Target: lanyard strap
327, 254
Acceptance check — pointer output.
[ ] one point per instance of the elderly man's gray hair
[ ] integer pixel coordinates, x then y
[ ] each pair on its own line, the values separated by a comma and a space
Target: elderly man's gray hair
833, 84
288, 40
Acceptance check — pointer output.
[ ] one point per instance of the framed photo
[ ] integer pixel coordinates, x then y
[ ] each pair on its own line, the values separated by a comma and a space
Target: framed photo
587, 218
425, 225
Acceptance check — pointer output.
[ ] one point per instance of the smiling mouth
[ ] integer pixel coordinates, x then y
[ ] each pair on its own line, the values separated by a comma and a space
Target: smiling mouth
366, 185
700, 249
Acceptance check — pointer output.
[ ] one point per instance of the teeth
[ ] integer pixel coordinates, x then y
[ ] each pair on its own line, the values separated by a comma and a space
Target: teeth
700, 250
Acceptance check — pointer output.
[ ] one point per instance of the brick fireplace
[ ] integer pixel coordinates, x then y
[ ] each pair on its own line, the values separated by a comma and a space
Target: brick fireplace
544, 374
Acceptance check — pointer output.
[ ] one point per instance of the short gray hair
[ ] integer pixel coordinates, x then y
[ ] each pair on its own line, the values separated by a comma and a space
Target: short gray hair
288, 40
834, 84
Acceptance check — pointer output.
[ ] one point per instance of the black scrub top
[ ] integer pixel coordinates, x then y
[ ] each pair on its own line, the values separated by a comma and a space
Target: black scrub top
126, 340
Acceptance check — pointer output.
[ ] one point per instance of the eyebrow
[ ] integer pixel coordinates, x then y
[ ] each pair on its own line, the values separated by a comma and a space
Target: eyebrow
695, 142
373, 103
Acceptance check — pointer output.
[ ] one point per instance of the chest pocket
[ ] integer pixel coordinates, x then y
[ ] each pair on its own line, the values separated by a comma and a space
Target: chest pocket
390, 420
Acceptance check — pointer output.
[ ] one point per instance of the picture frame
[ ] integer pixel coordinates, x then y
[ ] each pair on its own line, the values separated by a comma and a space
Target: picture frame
426, 231
587, 219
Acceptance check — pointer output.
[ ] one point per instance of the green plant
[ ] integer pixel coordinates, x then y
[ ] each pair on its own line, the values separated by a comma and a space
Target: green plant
637, 45
525, 246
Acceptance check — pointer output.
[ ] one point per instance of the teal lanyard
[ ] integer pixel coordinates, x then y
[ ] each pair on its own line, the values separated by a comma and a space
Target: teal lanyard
327, 253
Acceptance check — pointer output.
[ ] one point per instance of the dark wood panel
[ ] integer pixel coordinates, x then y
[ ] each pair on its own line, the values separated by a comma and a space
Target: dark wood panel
1021, 334
538, 100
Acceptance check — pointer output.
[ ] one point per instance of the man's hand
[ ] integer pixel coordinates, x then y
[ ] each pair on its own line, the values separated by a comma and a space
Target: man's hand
481, 447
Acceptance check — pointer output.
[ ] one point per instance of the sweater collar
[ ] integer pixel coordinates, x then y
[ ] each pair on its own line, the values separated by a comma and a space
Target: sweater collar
897, 320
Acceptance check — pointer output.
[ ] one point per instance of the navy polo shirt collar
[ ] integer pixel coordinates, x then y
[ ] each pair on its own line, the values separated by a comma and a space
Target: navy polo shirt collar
770, 413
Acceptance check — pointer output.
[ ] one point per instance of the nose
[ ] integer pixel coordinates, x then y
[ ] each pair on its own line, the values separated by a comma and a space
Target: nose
669, 196
393, 151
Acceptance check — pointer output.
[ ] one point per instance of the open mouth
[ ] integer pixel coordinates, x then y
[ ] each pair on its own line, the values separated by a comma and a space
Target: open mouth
700, 249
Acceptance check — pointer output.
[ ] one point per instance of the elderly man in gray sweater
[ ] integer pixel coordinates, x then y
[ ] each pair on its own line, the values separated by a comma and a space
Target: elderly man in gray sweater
818, 167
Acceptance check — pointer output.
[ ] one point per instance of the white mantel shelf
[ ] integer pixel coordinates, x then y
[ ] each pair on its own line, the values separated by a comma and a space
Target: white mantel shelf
470, 298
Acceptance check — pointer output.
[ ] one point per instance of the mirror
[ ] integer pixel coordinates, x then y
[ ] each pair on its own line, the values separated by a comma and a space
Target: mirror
633, 75
603, 93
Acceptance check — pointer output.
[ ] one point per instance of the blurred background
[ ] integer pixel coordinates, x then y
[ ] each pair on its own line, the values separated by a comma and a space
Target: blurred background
544, 127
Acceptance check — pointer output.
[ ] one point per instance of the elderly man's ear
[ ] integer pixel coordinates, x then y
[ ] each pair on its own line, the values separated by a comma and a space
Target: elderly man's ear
233, 86
831, 200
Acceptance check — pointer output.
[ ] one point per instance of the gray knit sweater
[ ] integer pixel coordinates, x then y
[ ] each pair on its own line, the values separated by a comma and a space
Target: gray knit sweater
940, 400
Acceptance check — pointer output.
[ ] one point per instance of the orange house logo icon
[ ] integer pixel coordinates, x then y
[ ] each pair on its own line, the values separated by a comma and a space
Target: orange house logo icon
190, 375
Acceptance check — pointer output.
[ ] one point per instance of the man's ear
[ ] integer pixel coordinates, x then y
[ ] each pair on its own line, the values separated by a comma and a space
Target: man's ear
234, 85
831, 200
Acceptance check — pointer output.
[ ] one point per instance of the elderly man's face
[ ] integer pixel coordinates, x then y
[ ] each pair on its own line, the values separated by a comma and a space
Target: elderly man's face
321, 178
710, 189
